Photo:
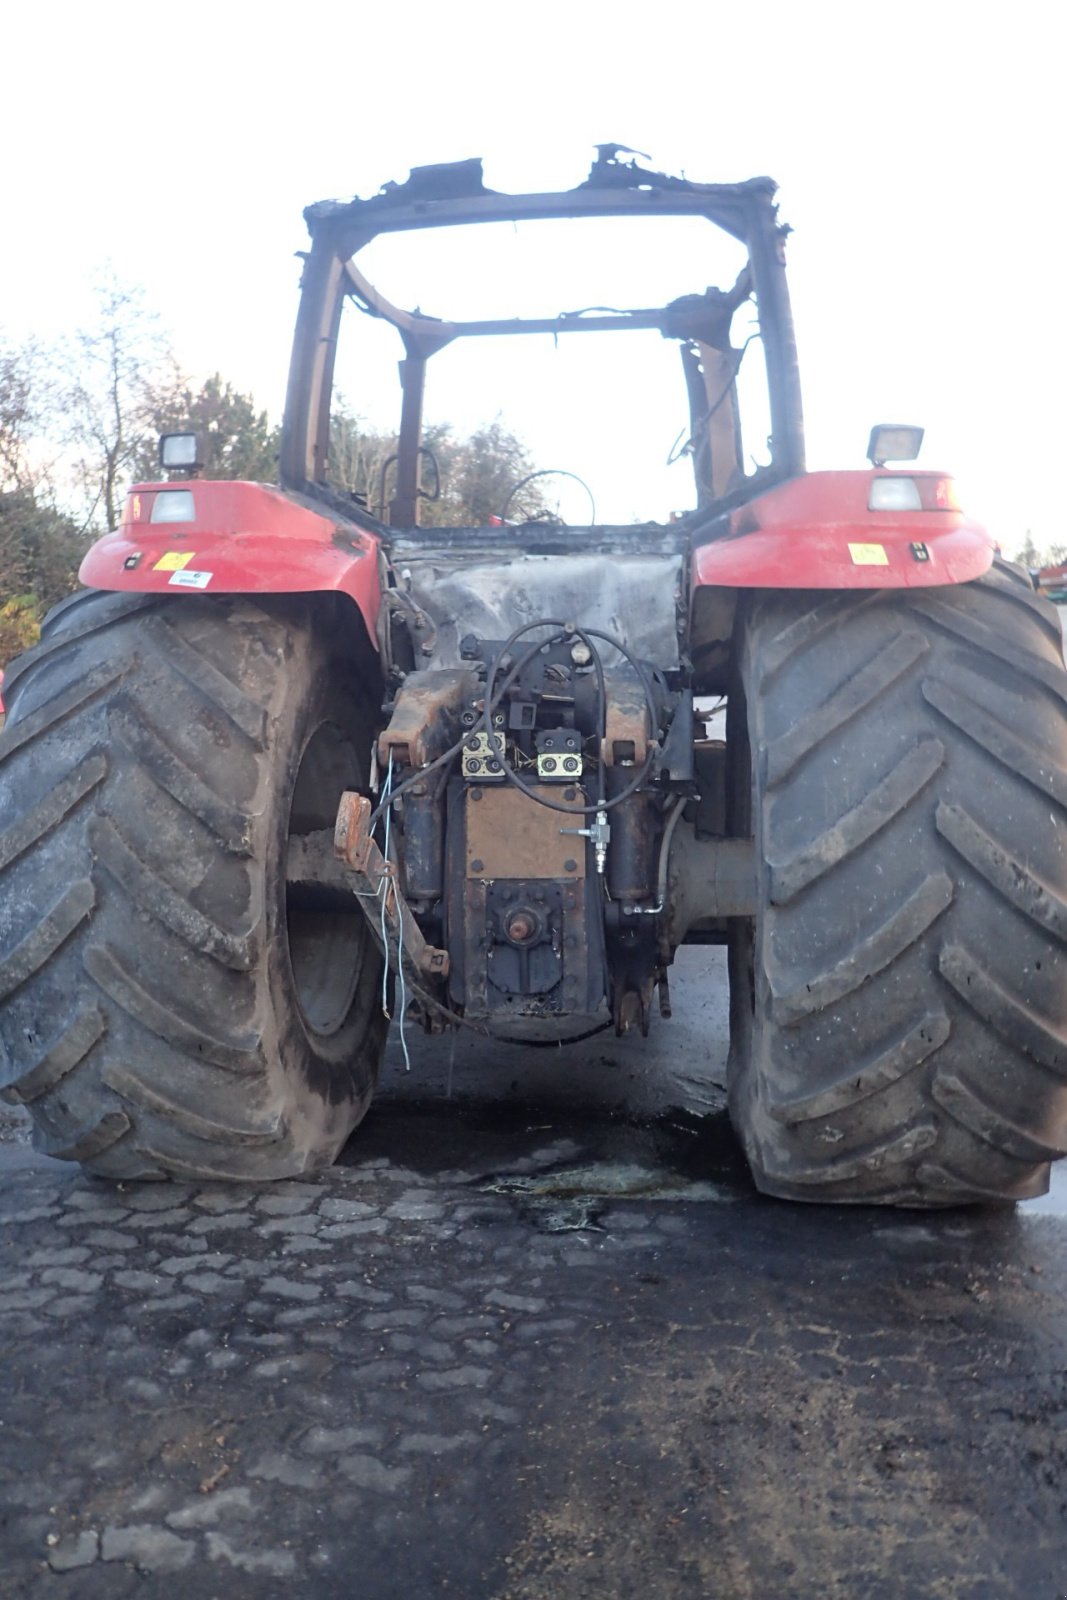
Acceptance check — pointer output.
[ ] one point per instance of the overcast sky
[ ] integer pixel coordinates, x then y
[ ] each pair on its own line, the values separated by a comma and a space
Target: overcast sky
918, 149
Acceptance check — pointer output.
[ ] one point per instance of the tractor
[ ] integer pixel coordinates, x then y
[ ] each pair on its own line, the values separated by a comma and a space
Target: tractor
296, 762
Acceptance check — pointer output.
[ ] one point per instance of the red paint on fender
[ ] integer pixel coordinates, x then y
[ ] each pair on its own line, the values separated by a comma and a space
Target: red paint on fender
248, 537
797, 536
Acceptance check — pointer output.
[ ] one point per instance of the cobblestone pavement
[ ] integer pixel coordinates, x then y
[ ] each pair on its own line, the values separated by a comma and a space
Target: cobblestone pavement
538, 1351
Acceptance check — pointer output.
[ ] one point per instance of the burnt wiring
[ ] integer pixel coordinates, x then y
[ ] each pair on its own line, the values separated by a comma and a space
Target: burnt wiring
497, 741
404, 984
381, 894
495, 693
454, 750
492, 699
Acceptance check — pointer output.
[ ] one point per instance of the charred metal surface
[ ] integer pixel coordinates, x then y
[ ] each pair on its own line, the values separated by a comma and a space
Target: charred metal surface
490, 591
507, 882
425, 717
634, 958
707, 879
536, 538
715, 420
632, 855
453, 194
524, 915
312, 863
450, 193
422, 840
467, 932
674, 762
525, 924
567, 933
374, 883
710, 762
403, 508
711, 630
627, 731
704, 317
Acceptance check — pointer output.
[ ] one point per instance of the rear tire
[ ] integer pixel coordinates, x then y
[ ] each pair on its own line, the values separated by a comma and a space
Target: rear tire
899, 1004
167, 1007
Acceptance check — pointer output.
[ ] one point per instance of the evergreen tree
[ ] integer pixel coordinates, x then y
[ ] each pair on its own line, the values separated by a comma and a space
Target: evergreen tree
237, 440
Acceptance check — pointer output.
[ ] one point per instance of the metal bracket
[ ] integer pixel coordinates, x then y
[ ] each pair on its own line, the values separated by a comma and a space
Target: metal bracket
375, 883
600, 833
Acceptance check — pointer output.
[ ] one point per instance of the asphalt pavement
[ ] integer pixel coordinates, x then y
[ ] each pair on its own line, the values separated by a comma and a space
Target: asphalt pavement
535, 1338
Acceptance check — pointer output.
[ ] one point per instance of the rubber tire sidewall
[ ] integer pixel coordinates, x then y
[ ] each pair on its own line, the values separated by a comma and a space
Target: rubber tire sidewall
342, 1065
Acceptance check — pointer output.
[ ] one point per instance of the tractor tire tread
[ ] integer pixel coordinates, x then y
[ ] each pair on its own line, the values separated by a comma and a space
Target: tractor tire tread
907, 1023
146, 1019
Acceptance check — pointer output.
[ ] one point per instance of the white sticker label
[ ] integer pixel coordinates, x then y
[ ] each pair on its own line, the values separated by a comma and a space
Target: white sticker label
191, 580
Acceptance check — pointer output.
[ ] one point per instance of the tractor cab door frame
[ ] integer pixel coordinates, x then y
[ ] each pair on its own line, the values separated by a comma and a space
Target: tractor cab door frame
445, 196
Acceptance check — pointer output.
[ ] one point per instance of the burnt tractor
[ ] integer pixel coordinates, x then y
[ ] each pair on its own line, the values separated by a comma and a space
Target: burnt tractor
295, 760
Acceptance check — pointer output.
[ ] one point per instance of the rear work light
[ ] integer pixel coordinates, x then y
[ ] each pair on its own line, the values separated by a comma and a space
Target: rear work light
180, 452
893, 441
921, 493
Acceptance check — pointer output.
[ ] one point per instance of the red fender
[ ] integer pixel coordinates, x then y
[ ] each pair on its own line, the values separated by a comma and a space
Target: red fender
238, 538
815, 532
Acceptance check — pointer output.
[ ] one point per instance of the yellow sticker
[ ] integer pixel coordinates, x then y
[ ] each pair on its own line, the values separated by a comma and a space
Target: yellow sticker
137, 508
173, 561
868, 555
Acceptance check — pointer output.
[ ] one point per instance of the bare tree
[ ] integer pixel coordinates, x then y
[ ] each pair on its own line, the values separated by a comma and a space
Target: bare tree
117, 369
15, 401
28, 400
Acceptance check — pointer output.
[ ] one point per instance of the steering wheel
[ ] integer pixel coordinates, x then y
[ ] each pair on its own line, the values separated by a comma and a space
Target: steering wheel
546, 515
